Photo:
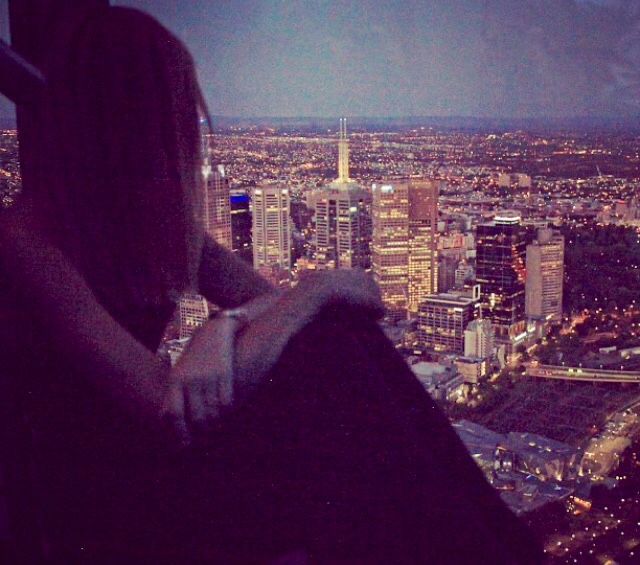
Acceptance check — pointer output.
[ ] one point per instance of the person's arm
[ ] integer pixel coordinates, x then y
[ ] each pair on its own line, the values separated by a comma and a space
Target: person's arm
260, 345
76, 324
102, 350
215, 357
89, 338
227, 280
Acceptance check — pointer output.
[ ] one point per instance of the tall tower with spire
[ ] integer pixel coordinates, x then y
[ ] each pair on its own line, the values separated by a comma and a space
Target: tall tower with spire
343, 153
343, 217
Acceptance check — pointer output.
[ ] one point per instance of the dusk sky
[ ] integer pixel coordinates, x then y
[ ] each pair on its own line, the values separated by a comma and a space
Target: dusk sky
485, 58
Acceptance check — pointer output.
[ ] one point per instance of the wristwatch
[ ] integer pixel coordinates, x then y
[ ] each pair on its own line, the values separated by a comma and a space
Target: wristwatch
240, 315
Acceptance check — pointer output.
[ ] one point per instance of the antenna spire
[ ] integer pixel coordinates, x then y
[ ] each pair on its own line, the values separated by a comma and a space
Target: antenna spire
343, 153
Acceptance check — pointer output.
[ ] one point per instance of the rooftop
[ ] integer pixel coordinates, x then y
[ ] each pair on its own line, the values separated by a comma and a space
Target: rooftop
541, 446
451, 299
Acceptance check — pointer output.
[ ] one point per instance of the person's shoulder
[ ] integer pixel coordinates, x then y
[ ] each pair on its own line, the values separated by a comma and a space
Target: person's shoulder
16, 223
20, 237
16, 229
20, 229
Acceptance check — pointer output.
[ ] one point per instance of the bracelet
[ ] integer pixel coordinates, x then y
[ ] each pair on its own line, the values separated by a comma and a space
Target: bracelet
226, 383
238, 314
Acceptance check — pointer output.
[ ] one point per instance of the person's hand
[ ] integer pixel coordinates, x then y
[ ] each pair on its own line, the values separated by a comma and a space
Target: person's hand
352, 287
202, 382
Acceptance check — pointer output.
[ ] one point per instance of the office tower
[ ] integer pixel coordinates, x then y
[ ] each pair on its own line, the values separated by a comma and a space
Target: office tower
325, 243
241, 224
342, 217
217, 212
404, 243
343, 228
500, 272
423, 241
390, 245
271, 230
194, 311
479, 339
443, 319
302, 235
447, 265
545, 274
301, 215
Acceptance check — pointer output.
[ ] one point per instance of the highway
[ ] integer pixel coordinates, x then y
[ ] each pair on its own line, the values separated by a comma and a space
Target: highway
581, 374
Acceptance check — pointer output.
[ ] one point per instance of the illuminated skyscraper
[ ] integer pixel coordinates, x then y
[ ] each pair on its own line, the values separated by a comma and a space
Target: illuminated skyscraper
545, 274
271, 228
390, 244
443, 319
404, 244
500, 272
342, 217
217, 211
423, 243
241, 224
478, 339
216, 214
194, 311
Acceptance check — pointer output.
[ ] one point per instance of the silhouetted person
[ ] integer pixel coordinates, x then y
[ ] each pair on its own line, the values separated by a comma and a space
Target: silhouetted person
291, 423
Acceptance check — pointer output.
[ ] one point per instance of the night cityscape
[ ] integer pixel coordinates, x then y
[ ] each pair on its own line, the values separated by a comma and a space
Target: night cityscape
506, 249
543, 389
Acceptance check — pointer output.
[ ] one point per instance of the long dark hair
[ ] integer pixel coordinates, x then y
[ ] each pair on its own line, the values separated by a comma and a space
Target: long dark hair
120, 179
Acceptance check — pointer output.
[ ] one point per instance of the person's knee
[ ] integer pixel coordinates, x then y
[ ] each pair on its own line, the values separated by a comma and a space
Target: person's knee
344, 319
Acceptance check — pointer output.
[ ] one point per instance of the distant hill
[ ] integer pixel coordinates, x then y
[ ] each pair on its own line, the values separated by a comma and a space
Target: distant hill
357, 123
461, 123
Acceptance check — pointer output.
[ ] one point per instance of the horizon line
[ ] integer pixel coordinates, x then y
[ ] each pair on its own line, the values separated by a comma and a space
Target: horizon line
426, 116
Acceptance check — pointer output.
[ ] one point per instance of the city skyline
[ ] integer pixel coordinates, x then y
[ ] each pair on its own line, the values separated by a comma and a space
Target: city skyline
530, 341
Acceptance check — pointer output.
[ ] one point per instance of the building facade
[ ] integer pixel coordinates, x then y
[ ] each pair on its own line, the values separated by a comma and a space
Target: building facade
240, 203
423, 241
443, 319
479, 339
193, 311
472, 369
390, 244
271, 228
501, 274
447, 267
404, 243
343, 227
545, 277
342, 218
216, 206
